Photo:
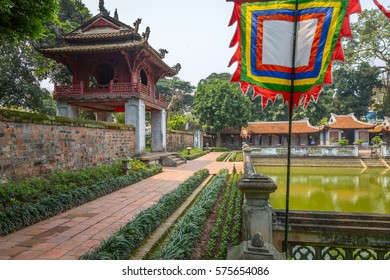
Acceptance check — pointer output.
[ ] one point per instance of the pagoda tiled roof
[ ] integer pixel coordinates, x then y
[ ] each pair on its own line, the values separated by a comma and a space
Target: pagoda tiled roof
103, 33
384, 126
281, 127
93, 48
347, 122
122, 34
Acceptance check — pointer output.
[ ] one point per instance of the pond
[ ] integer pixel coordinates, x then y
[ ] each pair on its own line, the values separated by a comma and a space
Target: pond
332, 189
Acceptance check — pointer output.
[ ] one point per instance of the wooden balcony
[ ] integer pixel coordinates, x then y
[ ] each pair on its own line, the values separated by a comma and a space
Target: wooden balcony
113, 90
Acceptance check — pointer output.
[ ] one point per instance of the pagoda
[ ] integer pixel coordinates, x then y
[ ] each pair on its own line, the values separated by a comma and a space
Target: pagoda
114, 69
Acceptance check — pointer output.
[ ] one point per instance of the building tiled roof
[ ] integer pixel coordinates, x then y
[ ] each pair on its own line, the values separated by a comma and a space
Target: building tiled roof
298, 127
384, 126
93, 48
103, 34
230, 130
377, 129
123, 34
347, 122
96, 19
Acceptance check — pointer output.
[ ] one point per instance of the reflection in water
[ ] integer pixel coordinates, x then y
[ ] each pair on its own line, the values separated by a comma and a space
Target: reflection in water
332, 189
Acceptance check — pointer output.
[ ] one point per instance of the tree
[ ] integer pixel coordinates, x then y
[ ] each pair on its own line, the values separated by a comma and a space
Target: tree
315, 111
176, 122
353, 87
178, 93
22, 67
71, 14
24, 19
318, 112
371, 44
219, 104
18, 86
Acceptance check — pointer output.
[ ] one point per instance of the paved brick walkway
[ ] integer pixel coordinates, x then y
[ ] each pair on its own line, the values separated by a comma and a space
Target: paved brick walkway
70, 234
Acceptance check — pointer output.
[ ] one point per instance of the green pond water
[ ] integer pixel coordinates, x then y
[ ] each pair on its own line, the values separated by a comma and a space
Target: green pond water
332, 189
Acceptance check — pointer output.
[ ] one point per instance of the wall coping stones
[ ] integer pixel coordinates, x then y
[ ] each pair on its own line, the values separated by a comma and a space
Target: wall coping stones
25, 117
180, 132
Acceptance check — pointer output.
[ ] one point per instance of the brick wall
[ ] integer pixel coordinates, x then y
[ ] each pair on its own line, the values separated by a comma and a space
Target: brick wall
32, 147
179, 140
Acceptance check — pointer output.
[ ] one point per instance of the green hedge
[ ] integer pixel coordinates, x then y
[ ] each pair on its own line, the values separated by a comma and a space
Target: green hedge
233, 156
191, 157
36, 189
18, 217
223, 156
219, 149
188, 229
123, 243
194, 153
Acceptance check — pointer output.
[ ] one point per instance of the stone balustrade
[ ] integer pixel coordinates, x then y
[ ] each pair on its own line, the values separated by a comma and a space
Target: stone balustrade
347, 151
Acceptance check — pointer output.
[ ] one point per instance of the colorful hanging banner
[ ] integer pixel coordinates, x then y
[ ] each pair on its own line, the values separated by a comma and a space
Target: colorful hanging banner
264, 37
382, 8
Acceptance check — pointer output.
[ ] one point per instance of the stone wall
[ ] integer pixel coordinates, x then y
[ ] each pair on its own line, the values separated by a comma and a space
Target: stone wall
179, 140
32, 144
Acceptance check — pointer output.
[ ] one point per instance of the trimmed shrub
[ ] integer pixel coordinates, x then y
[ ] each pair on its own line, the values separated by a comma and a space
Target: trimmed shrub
120, 245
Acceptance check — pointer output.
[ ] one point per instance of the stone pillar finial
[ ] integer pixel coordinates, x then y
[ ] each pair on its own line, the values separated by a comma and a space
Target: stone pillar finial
257, 240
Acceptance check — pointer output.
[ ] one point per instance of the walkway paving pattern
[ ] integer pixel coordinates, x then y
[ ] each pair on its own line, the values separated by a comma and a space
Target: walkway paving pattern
72, 233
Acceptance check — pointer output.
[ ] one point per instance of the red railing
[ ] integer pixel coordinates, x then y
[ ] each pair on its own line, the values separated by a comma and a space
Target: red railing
73, 89
134, 89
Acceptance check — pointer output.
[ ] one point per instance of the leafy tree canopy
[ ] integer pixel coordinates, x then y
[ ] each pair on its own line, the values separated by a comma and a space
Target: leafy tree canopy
18, 86
219, 103
22, 67
24, 19
371, 44
353, 88
179, 94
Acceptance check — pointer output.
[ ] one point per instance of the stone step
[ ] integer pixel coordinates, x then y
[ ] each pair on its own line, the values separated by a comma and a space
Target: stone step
374, 163
335, 222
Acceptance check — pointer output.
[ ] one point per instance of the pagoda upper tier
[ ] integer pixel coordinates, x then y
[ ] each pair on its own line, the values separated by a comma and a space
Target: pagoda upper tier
110, 61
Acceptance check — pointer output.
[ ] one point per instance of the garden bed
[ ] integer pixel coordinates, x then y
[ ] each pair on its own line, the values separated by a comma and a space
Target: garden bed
122, 244
183, 236
209, 227
222, 229
29, 202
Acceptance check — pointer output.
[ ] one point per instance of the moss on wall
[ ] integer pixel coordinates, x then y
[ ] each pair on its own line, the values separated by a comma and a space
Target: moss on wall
16, 116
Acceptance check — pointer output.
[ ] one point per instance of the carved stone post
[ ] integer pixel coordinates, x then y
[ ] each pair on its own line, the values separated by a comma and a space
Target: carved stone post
257, 211
256, 216
248, 166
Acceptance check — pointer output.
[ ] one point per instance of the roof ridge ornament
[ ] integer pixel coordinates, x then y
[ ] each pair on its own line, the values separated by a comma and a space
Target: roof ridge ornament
163, 52
102, 9
116, 14
146, 34
136, 24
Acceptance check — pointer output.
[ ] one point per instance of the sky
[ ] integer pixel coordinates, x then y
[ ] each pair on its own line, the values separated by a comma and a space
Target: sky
195, 32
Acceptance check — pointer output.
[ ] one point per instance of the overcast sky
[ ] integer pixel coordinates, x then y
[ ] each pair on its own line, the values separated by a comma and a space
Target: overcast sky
195, 32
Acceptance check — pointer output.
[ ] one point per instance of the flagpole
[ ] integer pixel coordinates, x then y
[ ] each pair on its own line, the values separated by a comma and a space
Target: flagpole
290, 113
